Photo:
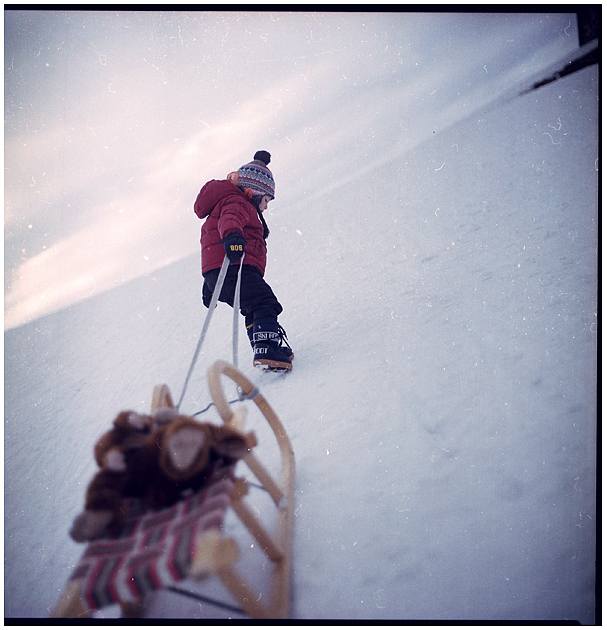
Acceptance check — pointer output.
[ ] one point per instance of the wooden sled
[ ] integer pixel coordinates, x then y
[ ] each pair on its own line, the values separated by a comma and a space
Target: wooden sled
216, 554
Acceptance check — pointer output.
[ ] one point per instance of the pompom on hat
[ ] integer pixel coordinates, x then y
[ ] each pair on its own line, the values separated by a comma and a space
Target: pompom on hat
255, 176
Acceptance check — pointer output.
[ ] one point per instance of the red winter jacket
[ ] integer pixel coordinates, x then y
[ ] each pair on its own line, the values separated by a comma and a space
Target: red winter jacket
228, 210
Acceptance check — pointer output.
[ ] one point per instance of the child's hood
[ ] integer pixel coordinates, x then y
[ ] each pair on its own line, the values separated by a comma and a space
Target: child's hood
213, 192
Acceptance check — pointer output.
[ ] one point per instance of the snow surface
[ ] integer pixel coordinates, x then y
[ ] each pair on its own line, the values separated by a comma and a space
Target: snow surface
442, 407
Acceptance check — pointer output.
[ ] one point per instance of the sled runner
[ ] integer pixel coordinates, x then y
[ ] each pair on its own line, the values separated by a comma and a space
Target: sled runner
158, 549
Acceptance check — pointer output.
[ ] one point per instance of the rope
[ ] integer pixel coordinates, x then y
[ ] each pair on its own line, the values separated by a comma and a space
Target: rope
235, 326
235, 317
207, 321
241, 396
212, 404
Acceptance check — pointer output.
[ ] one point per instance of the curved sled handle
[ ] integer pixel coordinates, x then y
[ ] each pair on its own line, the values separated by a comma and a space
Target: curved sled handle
283, 496
286, 451
213, 374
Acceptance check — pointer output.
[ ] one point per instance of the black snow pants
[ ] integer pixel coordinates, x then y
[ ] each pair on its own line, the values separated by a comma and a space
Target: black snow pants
257, 300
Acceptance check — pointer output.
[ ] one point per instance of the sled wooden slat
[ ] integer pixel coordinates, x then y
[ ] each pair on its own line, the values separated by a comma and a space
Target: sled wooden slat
161, 398
264, 478
245, 514
215, 553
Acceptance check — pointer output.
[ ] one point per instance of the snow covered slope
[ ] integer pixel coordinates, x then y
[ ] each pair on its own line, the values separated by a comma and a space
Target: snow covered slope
442, 406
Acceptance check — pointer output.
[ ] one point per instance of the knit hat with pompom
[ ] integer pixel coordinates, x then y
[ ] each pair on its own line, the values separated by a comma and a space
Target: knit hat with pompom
257, 176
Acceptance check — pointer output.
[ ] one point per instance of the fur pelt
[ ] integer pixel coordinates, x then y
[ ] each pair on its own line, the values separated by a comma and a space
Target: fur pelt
155, 459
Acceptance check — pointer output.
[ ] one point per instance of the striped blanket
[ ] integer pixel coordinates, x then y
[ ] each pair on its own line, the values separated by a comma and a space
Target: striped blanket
154, 549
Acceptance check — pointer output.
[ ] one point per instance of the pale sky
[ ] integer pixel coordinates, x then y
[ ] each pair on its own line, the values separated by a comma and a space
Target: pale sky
115, 120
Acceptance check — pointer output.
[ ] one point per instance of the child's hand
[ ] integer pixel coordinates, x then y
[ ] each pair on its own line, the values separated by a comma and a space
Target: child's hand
234, 245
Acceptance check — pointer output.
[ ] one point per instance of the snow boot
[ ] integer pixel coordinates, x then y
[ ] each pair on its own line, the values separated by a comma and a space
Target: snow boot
271, 351
285, 348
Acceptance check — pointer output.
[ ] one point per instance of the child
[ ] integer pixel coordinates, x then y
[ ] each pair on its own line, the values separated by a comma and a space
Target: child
235, 226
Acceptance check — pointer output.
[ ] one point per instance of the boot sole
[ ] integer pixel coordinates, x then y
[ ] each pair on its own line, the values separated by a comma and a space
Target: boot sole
276, 366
